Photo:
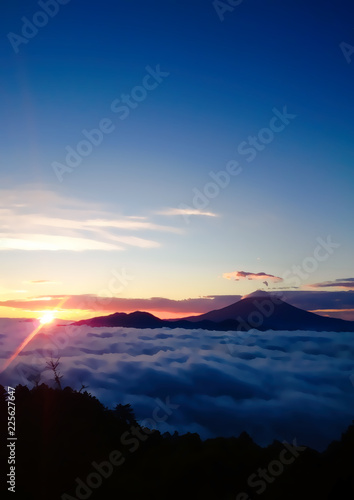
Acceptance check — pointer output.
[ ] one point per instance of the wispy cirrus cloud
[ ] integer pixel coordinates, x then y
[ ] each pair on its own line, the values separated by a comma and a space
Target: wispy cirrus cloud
38, 219
41, 282
54, 243
242, 275
186, 211
132, 224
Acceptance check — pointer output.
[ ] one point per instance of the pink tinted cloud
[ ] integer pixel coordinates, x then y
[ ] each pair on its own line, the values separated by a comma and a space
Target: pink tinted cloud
241, 275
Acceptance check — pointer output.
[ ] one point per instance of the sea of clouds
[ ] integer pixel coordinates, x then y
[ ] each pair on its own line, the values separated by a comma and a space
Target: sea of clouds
274, 385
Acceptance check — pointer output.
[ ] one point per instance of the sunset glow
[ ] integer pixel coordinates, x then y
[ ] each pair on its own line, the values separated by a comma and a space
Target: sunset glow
47, 317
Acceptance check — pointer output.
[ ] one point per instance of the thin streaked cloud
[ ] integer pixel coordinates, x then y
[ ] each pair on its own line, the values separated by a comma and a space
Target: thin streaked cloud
41, 282
186, 211
45, 221
343, 283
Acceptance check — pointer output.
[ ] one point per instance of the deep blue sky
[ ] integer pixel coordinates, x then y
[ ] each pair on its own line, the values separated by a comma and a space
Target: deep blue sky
225, 79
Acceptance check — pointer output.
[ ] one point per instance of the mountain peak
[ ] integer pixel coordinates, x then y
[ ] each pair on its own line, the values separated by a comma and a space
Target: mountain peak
256, 293
261, 294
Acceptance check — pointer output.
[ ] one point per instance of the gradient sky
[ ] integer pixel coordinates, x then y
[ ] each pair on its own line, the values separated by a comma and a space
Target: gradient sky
129, 207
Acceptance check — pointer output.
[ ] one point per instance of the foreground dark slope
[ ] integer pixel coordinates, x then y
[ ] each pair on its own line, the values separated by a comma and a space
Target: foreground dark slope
262, 312
61, 433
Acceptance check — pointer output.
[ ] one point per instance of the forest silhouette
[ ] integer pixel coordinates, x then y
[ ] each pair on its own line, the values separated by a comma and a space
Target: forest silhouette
70, 446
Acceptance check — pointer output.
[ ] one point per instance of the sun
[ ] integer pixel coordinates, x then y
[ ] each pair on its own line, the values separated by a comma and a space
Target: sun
47, 317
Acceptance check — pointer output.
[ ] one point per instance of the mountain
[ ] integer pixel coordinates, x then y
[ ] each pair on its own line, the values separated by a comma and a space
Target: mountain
259, 311
137, 319
267, 312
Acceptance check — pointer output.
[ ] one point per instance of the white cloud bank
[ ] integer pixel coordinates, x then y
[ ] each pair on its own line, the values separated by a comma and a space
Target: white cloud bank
274, 385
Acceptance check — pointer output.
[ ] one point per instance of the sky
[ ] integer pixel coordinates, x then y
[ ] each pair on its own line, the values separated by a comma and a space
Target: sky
174, 156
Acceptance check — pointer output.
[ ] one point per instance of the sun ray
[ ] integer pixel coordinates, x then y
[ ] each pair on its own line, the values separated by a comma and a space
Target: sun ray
21, 346
31, 335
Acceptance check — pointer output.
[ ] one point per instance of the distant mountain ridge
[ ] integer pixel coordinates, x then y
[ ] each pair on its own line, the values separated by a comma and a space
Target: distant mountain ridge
137, 319
261, 312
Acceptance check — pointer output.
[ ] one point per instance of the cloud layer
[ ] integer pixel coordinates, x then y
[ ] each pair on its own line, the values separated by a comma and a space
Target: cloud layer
274, 385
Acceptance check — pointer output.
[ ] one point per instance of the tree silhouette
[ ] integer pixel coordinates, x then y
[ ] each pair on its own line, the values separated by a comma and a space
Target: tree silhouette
53, 365
125, 413
83, 386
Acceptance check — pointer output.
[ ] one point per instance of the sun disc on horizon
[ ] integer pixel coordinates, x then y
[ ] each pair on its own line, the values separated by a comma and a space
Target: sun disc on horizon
47, 318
